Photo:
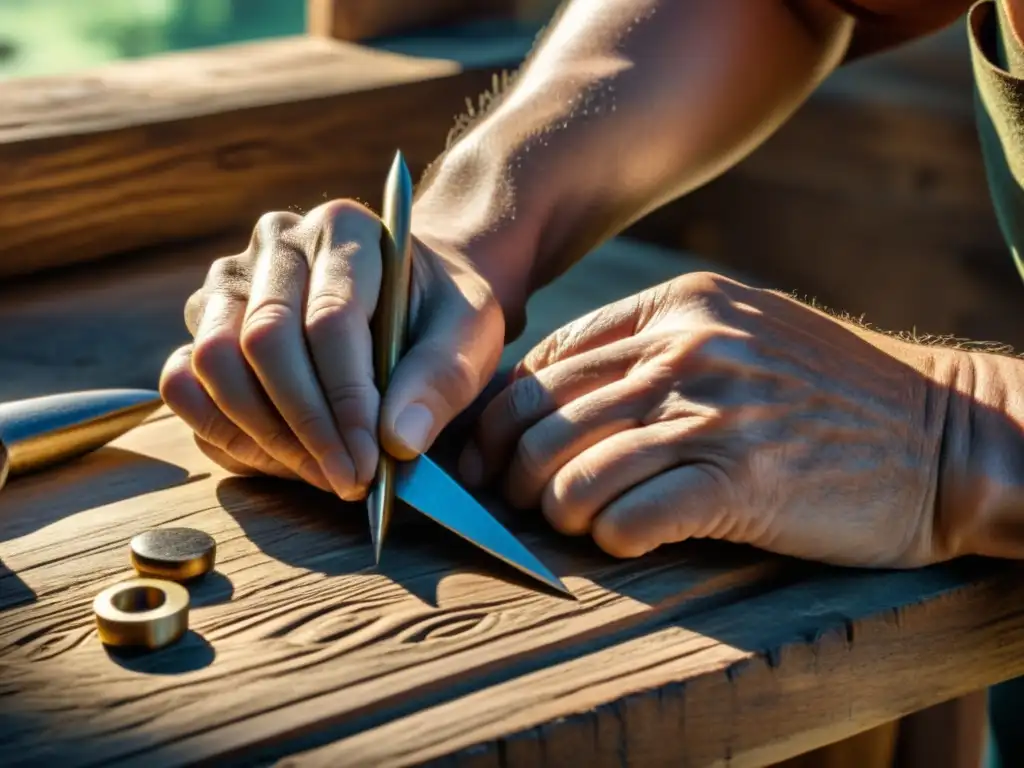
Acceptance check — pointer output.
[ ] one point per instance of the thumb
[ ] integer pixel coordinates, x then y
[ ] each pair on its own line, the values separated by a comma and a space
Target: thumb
442, 374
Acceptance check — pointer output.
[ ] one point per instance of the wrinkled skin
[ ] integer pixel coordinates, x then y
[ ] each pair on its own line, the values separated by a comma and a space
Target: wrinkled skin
698, 408
705, 408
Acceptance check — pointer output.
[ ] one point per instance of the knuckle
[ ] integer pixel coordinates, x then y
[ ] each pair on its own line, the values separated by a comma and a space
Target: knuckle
214, 352
228, 269
272, 225
708, 345
344, 394
326, 313
548, 350
720, 344
215, 429
457, 379
339, 220
194, 307
264, 328
702, 283
176, 379
228, 275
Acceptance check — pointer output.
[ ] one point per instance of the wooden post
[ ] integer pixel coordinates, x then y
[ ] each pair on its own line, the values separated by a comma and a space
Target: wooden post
361, 19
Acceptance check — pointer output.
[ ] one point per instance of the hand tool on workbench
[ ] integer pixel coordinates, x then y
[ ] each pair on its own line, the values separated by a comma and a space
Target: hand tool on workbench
421, 483
42, 431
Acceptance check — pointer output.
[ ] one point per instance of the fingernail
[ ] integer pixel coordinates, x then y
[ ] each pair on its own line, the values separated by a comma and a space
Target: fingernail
341, 474
354, 494
363, 450
413, 425
471, 466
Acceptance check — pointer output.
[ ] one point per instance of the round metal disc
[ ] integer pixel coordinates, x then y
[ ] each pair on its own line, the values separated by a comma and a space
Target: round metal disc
178, 554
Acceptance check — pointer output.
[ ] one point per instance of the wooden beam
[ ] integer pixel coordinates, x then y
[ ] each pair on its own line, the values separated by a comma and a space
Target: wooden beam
361, 19
189, 144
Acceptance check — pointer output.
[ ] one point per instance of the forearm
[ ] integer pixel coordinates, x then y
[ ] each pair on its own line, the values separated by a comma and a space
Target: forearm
981, 483
625, 105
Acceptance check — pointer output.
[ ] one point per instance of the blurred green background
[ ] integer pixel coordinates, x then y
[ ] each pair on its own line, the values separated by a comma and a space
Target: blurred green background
46, 37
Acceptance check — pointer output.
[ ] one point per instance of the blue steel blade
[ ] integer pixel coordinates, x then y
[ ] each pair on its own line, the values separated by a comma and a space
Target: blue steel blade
426, 487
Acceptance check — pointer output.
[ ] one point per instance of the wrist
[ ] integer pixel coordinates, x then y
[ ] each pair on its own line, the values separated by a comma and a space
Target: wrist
980, 508
467, 210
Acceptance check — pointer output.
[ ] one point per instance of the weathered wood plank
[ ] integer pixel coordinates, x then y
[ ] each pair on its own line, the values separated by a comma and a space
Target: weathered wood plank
722, 687
295, 574
184, 145
64, 323
300, 642
361, 19
311, 632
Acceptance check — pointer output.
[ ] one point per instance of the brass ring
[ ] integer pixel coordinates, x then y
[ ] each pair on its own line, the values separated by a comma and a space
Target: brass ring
142, 612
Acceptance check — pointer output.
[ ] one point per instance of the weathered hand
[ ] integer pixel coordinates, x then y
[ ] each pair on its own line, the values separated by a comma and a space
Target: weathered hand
279, 377
706, 408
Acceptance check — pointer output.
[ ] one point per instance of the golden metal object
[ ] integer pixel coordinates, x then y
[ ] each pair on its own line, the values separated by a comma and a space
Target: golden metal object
43, 431
176, 554
421, 483
390, 321
147, 613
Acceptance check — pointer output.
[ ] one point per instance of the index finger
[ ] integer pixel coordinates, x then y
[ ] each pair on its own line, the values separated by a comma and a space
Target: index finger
343, 288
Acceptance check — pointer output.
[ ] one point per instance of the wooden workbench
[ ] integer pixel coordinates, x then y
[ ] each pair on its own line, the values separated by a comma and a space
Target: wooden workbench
697, 655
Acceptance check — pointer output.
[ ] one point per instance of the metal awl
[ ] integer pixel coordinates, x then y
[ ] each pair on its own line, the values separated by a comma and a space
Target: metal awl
421, 483
390, 321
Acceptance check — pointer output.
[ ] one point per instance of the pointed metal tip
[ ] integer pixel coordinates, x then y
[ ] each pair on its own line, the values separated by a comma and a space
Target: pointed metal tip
565, 590
47, 430
555, 583
376, 524
399, 175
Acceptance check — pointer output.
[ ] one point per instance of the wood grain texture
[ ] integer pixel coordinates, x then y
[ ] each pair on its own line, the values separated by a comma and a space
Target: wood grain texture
299, 638
360, 19
694, 656
188, 144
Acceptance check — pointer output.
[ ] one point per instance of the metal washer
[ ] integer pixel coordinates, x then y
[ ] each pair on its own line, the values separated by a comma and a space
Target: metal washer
148, 613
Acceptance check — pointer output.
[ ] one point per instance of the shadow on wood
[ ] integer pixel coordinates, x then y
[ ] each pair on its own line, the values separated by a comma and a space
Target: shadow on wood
124, 474
189, 654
